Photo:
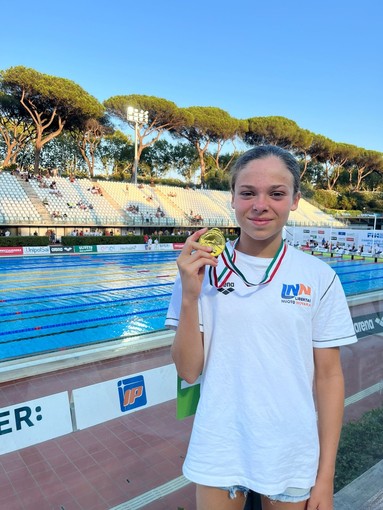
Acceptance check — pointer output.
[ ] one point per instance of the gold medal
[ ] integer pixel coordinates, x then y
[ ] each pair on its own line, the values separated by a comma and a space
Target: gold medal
215, 239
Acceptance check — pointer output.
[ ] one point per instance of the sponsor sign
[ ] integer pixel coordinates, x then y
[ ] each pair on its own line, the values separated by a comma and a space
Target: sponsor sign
35, 421
187, 398
121, 248
36, 250
112, 399
164, 246
178, 246
11, 250
61, 249
85, 249
366, 325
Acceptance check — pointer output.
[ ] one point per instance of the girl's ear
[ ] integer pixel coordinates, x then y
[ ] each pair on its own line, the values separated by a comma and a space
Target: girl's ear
295, 203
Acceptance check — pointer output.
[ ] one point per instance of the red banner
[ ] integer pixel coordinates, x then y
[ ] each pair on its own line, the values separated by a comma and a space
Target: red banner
11, 250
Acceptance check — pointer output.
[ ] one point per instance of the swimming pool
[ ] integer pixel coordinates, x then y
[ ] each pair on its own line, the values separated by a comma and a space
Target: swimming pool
358, 276
53, 303
48, 304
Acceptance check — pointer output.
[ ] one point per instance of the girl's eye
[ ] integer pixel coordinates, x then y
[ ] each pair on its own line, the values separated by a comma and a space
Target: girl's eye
277, 194
246, 194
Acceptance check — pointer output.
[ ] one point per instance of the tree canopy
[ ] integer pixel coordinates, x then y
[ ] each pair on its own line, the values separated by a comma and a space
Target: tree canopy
49, 103
36, 109
205, 125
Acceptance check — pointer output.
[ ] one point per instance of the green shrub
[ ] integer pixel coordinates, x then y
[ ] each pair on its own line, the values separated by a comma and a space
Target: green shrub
360, 447
24, 241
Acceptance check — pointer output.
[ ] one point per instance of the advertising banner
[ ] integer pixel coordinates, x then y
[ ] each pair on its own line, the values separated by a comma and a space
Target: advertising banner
120, 248
112, 399
61, 249
85, 249
366, 325
36, 250
35, 421
187, 397
7, 251
164, 246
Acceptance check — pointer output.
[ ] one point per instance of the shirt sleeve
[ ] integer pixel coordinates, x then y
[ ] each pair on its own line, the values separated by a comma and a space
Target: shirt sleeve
173, 313
332, 323
174, 310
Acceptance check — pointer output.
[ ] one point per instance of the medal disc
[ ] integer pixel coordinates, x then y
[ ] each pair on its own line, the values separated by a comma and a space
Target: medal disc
215, 239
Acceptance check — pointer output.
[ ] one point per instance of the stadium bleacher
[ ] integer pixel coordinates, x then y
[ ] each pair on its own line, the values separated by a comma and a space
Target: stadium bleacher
82, 201
15, 204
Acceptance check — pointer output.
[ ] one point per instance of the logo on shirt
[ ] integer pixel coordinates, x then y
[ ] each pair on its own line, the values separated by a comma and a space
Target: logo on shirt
132, 393
296, 294
226, 288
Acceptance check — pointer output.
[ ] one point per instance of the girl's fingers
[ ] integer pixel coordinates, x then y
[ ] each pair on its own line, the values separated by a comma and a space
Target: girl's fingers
192, 243
197, 234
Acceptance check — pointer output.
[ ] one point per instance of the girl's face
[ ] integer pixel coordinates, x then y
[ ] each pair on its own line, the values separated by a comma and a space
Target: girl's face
263, 198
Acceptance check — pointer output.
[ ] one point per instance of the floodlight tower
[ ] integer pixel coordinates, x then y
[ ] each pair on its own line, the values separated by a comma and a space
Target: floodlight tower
139, 117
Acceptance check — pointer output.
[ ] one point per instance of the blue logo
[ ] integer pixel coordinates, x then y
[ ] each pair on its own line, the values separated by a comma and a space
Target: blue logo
293, 291
132, 393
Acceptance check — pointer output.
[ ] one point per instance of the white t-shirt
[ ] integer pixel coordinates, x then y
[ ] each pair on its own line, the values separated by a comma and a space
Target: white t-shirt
256, 423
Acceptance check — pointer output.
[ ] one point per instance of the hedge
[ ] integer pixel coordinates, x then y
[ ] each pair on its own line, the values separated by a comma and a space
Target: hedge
360, 447
24, 241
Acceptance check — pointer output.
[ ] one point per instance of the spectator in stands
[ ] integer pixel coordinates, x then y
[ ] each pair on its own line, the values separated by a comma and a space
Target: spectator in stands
277, 346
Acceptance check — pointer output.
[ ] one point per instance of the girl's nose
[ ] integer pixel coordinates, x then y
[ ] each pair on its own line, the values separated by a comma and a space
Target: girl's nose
260, 204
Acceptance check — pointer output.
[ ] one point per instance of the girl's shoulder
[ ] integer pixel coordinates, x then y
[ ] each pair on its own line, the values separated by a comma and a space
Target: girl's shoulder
309, 262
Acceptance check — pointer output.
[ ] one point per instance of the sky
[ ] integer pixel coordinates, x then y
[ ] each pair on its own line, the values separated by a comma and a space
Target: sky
316, 62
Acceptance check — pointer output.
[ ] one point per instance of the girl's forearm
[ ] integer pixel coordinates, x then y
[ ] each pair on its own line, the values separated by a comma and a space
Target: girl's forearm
187, 349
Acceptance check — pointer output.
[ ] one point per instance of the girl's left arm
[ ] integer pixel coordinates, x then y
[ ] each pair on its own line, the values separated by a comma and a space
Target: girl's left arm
329, 389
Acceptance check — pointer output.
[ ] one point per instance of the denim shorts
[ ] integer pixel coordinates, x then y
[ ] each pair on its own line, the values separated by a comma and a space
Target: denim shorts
290, 495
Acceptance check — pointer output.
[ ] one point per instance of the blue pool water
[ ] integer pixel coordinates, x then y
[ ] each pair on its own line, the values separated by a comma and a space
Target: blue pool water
48, 304
52, 303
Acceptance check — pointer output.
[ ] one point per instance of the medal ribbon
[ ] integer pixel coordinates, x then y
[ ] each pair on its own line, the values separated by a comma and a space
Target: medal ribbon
230, 267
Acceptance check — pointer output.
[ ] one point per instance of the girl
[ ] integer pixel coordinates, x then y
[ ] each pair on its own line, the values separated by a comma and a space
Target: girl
262, 323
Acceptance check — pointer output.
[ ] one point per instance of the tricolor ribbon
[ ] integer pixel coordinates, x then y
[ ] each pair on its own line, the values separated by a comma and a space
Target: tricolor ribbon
228, 259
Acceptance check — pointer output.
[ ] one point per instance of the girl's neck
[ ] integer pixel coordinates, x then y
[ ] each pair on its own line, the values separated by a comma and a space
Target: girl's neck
259, 248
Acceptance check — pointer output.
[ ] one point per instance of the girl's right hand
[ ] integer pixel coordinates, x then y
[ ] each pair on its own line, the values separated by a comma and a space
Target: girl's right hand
191, 264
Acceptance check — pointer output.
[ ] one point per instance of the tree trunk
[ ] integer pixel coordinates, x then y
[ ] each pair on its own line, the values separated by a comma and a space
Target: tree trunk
37, 160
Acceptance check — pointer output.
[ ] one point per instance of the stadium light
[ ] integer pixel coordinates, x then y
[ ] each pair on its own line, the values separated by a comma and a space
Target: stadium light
373, 235
139, 117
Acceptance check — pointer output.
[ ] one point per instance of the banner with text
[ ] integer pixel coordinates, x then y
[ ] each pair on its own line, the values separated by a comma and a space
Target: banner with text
112, 399
34, 421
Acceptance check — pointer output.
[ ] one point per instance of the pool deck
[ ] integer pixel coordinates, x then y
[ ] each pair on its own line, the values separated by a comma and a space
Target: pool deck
127, 463
135, 461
